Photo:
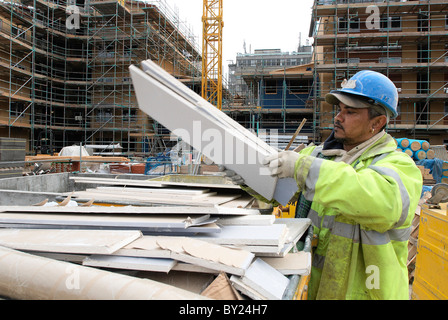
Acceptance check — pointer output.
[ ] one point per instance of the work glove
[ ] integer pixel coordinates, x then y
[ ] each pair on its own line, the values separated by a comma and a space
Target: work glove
282, 164
232, 175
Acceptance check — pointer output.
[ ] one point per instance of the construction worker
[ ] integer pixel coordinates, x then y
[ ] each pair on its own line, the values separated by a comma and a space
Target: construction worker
359, 193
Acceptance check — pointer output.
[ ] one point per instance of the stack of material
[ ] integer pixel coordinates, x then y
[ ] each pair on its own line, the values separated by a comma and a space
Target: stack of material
428, 178
445, 171
440, 152
152, 192
247, 246
416, 149
12, 157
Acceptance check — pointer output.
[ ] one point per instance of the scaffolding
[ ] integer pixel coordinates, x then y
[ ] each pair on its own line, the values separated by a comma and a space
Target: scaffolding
64, 71
271, 91
405, 40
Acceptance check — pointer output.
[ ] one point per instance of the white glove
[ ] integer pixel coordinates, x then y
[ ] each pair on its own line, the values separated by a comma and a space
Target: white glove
282, 164
232, 175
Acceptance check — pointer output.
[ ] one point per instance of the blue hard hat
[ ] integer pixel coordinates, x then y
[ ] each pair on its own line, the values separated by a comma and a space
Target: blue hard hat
375, 87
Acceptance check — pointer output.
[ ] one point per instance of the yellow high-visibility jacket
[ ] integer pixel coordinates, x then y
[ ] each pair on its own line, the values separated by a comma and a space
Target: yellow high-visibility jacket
362, 215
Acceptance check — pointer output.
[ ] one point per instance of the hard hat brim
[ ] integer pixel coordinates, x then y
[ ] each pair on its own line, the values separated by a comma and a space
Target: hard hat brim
334, 97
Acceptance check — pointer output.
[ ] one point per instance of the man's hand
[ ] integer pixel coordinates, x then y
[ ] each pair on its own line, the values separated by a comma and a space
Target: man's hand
232, 175
282, 164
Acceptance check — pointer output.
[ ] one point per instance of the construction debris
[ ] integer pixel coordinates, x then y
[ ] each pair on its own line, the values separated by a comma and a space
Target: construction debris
154, 239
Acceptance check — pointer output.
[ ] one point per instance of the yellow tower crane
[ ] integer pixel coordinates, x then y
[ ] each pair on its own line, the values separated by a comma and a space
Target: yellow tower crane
212, 25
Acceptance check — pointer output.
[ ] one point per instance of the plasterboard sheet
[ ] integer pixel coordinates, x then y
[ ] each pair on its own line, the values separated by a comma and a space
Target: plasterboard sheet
67, 241
175, 191
233, 145
245, 289
148, 193
175, 210
130, 263
256, 220
102, 220
210, 201
272, 235
69, 257
206, 254
119, 182
292, 263
296, 227
265, 280
188, 267
207, 228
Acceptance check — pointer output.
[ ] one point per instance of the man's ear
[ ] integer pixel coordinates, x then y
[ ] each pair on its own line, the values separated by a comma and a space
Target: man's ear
379, 122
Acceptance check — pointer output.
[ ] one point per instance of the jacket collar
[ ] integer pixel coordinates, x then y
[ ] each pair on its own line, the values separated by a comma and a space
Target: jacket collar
378, 144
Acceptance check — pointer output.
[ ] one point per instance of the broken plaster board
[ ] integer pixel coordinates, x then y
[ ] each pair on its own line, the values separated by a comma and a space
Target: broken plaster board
265, 280
157, 190
122, 182
180, 200
257, 220
245, 289
176, 210
179, 195
206, 228
292, 263
130, 263
234, 146
124, 221
208, 255
272, 235
67, 241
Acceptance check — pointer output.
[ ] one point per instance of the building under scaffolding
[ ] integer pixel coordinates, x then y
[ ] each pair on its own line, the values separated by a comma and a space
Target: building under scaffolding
405, 40
272, 91
64, 71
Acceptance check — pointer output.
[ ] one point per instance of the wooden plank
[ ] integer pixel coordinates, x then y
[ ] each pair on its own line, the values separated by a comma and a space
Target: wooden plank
67, 241
130, 263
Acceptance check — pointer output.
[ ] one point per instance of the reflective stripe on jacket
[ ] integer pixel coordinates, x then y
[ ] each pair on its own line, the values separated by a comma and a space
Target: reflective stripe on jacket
362, 214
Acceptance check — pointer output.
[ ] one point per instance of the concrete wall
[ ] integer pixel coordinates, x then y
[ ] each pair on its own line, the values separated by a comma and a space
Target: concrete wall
57, 182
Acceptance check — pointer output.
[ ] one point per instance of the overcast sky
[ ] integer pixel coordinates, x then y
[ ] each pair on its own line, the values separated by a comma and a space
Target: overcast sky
262, 24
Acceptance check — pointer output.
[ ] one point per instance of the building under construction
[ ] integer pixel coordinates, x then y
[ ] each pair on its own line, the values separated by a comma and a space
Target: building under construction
64, 71
405, 40
272, 92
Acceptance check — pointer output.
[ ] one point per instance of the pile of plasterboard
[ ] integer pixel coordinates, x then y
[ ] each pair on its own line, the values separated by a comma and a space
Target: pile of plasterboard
151, 192
254, 250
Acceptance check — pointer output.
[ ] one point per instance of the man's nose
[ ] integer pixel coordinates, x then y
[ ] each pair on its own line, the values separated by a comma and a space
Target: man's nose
338, 117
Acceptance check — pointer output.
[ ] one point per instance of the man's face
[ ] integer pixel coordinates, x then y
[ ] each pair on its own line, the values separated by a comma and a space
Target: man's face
352, 126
